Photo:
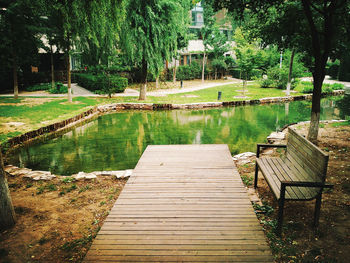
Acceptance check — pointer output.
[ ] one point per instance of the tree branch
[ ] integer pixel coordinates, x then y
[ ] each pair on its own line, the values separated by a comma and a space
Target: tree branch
313, 30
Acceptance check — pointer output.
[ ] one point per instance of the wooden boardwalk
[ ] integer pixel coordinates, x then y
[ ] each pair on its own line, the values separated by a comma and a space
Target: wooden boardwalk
182, 203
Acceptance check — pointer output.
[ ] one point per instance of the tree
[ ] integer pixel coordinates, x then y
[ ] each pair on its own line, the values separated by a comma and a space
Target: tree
19, 28
150, 35
7, 213
86, 26
207, 30
219, 46
325, 31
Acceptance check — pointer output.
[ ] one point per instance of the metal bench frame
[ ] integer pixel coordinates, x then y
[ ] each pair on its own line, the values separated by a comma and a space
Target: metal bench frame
300, 184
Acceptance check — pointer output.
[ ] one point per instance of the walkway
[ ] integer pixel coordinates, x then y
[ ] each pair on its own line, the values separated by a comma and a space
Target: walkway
190, 88
182, 203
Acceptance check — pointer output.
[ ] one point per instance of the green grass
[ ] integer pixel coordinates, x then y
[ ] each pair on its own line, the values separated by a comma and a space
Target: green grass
229, 92
339, 124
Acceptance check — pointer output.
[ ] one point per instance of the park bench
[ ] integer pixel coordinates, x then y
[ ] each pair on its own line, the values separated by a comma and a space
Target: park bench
299, 175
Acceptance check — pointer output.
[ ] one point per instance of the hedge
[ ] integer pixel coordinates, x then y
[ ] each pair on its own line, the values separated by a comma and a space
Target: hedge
101, 83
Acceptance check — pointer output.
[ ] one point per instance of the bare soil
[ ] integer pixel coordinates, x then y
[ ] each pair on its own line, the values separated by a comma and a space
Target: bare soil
56, 221
300, 242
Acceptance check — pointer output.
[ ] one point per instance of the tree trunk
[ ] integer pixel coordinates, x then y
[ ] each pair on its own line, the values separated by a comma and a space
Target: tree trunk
69, 78
316, 105
216, 74
174, 73
15, 77
203, 67
157, 83
143, 86
289, 84
52, 69
7, 213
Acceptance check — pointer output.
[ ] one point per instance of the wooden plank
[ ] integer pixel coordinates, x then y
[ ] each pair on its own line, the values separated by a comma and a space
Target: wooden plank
182, 203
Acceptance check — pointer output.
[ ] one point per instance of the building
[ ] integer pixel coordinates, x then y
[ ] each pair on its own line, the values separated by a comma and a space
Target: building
195, 49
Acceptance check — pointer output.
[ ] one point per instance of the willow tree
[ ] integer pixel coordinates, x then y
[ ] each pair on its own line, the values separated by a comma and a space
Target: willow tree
80, 24
326, 30
150, 35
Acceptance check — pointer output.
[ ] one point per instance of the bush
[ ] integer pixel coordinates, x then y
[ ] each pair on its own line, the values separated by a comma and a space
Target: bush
41, 86
101, 83
196, 70
332, 69
86, 80
307, 87
111, 84
59, 89
184, 73
277, 78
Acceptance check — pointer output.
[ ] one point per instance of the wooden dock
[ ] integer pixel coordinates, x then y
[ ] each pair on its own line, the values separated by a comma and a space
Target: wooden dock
182, 203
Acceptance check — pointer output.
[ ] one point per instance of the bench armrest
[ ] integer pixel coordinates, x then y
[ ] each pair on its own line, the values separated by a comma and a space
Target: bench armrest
306, 184
284, 184
264, 145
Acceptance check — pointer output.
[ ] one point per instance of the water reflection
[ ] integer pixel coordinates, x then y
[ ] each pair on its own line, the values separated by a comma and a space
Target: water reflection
116, 141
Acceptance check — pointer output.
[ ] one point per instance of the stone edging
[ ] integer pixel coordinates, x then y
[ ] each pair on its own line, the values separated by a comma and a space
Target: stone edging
47, 176
87, 115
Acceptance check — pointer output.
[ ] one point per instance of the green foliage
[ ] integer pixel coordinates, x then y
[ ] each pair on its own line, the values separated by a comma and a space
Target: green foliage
247, 180
307, 87
332, 68
41, 86
196, 70
187, 72
219, 64
109, 84
59, 89
151, 31
68, 179
76, 243
184, 73
102, 83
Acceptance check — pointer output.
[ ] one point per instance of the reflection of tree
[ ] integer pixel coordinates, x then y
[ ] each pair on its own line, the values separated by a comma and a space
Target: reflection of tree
344, 107
116, 141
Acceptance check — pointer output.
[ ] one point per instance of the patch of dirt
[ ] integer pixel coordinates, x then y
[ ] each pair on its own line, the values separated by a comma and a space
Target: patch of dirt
30, 101
300, 242
189, 96
56, 221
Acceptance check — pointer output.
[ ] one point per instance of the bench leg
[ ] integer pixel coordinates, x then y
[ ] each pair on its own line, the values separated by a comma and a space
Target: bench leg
280, 217
280, 210
256, 175
317, 209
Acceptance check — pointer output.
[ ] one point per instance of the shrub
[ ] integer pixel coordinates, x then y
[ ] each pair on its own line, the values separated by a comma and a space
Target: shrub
196, 70
307, 87
277, 78
184, 73
41, 86
59, 89
111, 84
102, 84
332, 69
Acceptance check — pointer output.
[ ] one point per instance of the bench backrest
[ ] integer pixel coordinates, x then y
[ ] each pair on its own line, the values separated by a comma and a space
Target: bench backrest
307, 157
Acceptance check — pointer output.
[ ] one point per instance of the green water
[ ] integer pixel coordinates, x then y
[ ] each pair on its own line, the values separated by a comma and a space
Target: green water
116, 141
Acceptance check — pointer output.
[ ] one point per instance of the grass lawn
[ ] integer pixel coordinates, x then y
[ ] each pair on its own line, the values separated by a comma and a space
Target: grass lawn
229, 93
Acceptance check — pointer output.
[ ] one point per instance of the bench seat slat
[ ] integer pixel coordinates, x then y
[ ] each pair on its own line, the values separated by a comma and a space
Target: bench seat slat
267, 171
290, 176
308, 192
275, 171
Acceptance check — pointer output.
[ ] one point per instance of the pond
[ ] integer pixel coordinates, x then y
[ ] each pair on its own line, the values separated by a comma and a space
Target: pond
116, 141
